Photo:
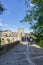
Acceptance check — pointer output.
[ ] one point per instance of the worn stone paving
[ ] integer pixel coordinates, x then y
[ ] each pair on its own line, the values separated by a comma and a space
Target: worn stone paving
23, 54
15, 56
36, 54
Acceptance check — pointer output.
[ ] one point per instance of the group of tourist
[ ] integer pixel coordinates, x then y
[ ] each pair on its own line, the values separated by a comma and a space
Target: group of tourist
28, 39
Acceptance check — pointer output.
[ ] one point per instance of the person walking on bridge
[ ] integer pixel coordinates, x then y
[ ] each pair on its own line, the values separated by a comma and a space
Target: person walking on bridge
31, 40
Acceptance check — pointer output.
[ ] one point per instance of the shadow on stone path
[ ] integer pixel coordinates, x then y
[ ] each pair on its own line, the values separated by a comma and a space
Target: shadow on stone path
22, 54
15, 56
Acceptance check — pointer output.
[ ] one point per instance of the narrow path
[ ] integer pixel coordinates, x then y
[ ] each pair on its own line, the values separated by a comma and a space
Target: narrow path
28, 56
15, 56
23, 54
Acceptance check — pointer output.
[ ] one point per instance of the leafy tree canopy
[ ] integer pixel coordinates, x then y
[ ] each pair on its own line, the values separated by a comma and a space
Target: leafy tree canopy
1, 8
34, 15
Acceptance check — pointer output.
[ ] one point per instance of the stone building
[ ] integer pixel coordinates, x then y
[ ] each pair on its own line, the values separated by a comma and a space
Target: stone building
21, 32
8, 36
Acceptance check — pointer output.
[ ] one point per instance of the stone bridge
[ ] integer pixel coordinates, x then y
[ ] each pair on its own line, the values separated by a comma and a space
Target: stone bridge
6, 40
23, 54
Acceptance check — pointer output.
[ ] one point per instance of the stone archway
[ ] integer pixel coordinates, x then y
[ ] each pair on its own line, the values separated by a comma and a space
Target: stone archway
2, 41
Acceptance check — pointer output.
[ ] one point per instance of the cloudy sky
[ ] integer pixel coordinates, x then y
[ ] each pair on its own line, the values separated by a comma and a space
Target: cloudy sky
15, 12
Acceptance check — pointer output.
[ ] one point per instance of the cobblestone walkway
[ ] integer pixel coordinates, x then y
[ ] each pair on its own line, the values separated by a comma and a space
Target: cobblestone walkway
23, 54
15, 56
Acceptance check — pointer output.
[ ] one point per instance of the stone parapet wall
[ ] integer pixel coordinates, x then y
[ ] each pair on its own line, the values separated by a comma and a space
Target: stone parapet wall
6, 40
5, 48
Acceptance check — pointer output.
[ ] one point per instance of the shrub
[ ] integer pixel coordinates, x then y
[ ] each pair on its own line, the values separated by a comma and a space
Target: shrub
41, 43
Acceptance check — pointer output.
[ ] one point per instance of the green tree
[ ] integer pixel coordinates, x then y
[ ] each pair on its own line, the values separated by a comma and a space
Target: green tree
34, 15
2, 8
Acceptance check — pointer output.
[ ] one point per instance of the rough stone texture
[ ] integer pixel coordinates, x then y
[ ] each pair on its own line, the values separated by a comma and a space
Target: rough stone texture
23, 54
7, 47
15, 56
9, 36
36, 54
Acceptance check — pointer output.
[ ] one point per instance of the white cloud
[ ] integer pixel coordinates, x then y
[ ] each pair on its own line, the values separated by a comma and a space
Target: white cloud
31, 4
3, 24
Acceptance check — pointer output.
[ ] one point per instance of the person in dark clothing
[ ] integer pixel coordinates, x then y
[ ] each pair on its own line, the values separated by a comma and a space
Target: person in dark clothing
28, 40
31, 40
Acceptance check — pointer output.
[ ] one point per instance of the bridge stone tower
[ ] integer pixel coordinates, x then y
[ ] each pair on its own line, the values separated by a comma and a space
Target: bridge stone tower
21, 32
